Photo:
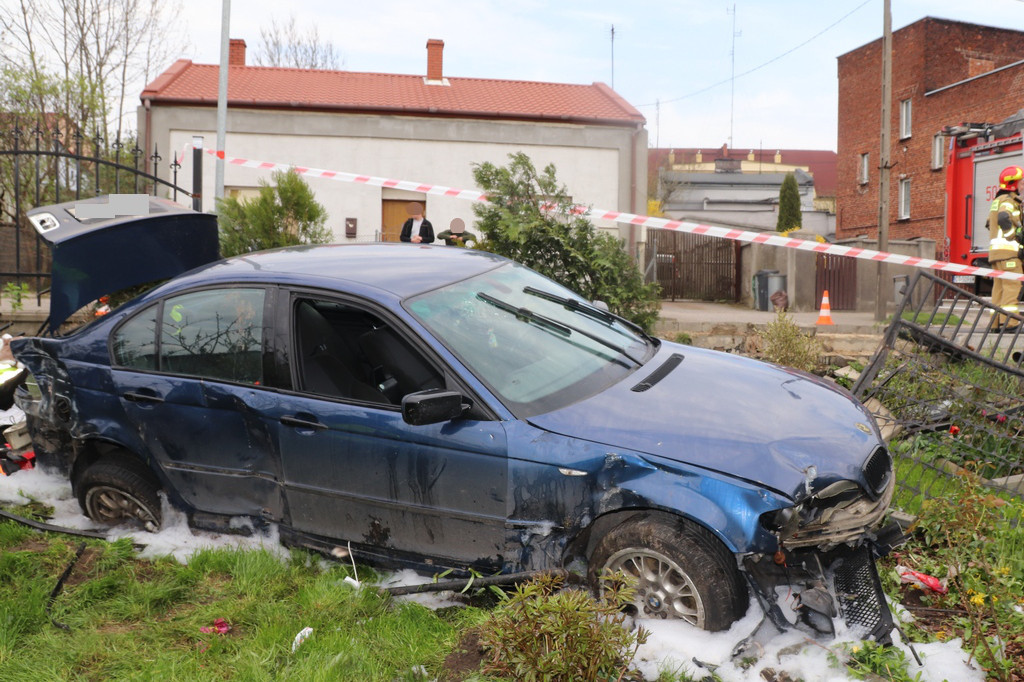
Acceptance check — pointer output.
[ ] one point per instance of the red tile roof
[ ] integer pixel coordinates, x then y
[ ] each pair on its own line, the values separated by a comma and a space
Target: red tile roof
822, 163
260, 87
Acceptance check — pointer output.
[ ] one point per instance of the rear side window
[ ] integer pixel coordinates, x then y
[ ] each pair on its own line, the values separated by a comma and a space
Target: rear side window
215, 334
135, 341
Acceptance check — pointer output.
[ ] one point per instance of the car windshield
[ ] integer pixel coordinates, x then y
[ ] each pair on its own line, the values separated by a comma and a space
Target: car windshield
535, 344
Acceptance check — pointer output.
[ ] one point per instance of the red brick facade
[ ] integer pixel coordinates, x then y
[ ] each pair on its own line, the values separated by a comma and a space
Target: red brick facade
938, 65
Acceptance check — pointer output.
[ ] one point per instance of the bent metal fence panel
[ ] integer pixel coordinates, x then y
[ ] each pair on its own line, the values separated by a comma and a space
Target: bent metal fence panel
51, 161
948, 391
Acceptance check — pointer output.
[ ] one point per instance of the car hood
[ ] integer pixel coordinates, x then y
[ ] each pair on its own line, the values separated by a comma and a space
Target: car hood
105, 244
780, 428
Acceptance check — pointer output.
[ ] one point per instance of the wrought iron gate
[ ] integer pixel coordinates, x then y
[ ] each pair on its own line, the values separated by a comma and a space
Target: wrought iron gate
38, 168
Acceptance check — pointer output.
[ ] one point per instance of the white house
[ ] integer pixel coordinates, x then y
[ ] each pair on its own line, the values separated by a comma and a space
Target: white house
428, 128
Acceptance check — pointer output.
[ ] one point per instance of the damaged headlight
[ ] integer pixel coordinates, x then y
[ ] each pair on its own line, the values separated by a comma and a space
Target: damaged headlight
841, 512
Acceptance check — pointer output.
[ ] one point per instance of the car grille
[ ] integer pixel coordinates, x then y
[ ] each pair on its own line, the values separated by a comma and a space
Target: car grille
877, 470
860, 596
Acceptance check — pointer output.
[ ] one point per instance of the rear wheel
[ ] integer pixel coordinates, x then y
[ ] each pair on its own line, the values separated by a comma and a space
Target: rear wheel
115, 491
680, 569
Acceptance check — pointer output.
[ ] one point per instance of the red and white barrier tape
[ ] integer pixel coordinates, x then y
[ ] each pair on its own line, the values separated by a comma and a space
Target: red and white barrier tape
770, 239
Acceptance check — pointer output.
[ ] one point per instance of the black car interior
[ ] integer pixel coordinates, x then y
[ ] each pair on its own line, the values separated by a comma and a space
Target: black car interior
351, 354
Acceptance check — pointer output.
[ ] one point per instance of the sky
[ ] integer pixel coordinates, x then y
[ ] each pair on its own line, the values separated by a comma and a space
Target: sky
761, 73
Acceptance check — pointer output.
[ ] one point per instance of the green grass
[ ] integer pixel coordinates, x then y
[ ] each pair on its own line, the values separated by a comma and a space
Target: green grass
927, 319
132, 619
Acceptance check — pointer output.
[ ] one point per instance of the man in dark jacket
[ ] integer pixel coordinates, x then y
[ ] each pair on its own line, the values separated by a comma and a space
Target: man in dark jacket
417, 229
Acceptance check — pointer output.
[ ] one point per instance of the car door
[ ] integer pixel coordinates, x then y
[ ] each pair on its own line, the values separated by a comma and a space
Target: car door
354, 471
188, 374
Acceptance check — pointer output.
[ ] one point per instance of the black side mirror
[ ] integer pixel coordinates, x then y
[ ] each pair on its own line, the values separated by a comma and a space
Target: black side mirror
432, 406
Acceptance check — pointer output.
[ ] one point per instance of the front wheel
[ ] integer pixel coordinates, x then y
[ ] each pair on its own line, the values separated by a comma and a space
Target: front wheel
118, 491
680, 570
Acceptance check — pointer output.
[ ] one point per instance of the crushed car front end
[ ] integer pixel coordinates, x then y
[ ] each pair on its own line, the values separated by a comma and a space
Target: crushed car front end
789, 471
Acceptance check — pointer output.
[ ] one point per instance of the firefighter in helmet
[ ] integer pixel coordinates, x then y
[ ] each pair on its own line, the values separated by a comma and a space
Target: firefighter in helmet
1004, 224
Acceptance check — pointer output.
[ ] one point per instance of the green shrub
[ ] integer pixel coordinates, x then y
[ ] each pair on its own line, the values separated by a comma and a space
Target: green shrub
285, 213
530, 218
785, 344
684, 338
544, 632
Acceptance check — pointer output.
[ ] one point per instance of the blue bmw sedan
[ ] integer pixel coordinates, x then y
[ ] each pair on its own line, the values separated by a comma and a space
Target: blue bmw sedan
445, 408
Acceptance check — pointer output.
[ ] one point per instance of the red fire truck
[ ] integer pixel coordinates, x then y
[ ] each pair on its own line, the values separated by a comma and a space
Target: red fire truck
977, 152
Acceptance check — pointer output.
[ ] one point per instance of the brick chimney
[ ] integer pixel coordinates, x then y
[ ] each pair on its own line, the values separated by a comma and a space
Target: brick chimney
236, 52
435, 52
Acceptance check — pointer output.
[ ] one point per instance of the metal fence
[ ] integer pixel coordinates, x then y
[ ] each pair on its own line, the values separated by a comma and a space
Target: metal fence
948, 390
50, 162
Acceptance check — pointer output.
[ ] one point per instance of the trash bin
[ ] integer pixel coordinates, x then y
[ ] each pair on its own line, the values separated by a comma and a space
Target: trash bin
761, 289
776, 282
777, 294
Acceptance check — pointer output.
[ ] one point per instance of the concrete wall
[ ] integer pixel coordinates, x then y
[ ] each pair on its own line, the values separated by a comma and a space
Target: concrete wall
602, 166
799, 268
867, 272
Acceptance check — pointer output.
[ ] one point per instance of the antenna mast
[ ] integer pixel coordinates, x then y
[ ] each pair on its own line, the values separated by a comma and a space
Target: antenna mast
732, 75
613, 56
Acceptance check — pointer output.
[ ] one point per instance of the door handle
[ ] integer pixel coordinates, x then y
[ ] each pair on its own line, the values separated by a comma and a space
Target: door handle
290, 420
133, 397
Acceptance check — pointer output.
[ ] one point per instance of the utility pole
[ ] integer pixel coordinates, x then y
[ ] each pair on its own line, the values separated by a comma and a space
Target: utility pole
222, 98
883, 160
657, 122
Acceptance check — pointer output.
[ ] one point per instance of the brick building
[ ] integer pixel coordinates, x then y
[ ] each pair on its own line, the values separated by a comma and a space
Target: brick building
943, 73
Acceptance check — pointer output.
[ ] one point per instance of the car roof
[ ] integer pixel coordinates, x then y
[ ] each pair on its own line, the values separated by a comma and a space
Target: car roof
403, 270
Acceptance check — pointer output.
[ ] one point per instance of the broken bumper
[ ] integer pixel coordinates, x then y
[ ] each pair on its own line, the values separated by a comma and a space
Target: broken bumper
809, 590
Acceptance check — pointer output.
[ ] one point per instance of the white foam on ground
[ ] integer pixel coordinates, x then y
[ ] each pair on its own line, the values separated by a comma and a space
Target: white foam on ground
672, 645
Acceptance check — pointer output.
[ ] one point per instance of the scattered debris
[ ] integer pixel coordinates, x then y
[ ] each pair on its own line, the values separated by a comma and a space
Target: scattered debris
220, 627
922, 580
303, 635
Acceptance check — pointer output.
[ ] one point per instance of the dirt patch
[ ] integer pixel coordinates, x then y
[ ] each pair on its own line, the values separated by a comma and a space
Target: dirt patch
32, 544
465, 659
85, 567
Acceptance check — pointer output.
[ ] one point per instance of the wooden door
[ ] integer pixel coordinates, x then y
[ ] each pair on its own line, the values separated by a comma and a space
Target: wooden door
393, 216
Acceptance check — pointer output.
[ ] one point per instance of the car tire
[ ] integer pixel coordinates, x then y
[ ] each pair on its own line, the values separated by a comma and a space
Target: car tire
681, 571
115, 491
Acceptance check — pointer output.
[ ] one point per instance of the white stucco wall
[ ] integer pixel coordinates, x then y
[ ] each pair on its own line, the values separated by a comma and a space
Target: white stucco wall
592, 162
589, 174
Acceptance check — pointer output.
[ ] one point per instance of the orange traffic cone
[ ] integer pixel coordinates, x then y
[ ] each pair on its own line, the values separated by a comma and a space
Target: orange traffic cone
825, 315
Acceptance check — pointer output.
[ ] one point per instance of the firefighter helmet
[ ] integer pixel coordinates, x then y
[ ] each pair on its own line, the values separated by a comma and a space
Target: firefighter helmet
1010, 178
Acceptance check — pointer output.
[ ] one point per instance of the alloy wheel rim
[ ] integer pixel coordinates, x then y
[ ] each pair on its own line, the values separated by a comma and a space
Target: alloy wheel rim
663, 589
111, 505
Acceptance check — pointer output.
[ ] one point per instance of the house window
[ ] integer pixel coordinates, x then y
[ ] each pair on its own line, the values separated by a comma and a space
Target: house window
904, 208
904, 119
938, 152
862, 172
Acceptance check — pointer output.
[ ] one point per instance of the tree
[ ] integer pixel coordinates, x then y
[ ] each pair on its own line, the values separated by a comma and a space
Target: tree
531, 219
283, 45
285, 213
94, 50
790, 216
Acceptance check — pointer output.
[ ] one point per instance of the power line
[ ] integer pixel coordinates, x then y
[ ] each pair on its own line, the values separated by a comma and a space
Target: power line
760, 66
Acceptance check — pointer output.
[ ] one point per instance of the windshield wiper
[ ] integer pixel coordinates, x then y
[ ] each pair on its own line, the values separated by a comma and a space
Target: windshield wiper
572, 304
560, 327
526, 314
586, 309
